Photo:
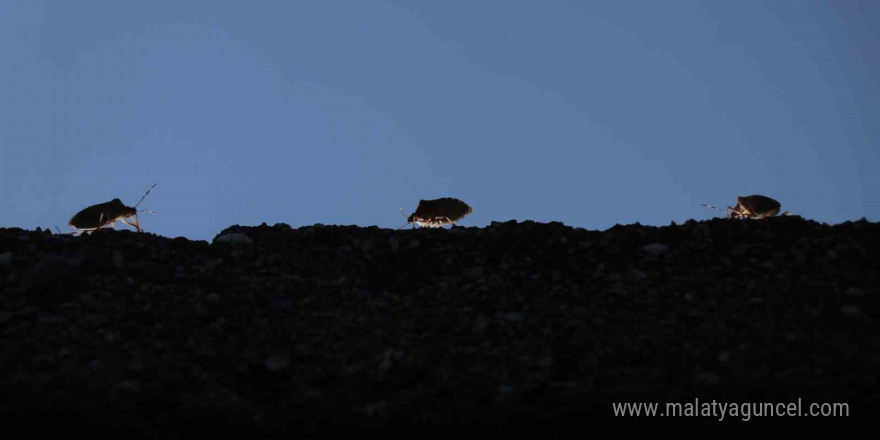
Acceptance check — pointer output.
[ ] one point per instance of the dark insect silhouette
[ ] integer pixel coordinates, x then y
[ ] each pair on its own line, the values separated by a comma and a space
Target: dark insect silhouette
754, 206
105, 214
437, 213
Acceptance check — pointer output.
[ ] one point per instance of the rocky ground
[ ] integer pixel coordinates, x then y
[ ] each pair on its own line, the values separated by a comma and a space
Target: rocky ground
512, 327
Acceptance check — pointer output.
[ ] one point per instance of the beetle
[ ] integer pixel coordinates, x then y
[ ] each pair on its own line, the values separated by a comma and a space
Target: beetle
754, 206
105, 214
437, 213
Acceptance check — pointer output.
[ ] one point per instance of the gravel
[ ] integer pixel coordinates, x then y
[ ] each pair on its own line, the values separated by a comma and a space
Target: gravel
515, 326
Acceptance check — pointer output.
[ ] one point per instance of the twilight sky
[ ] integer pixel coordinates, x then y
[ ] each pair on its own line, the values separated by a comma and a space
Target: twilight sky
341, 112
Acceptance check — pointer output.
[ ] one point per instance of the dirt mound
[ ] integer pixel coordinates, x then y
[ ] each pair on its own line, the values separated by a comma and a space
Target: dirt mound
277, 330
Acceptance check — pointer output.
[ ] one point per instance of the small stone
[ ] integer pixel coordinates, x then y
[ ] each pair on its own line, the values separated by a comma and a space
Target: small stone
740, 251
473, 272
855, 291
201, 310
851, 311
637, 275
277, 363
546, 361
234, 238
49, 319
655, 248
394, 244
512, 317
363, 244
128, 386
5, 258
480, 324
707, 378
376, 409
505, 389
117, 259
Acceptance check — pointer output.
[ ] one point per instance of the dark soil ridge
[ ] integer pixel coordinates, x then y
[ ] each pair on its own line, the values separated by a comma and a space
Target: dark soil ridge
512, 326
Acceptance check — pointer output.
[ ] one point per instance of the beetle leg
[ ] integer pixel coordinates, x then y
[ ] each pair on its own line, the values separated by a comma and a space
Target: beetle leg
136, 228
736, 213
78, 232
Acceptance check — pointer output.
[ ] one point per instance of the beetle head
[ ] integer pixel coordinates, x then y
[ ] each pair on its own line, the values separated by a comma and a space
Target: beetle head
742, 209
117, 209
127, 211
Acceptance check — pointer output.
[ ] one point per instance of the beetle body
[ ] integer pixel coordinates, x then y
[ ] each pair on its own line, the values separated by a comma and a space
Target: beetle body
106, 214
102, 215
754, 206
439, 212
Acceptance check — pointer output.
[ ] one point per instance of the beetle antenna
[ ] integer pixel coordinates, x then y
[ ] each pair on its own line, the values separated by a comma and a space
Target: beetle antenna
64, 233
710, 206
147, 210
145, 195
407, 220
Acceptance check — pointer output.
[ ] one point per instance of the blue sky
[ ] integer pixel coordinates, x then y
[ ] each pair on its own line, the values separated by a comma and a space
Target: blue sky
341, 112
